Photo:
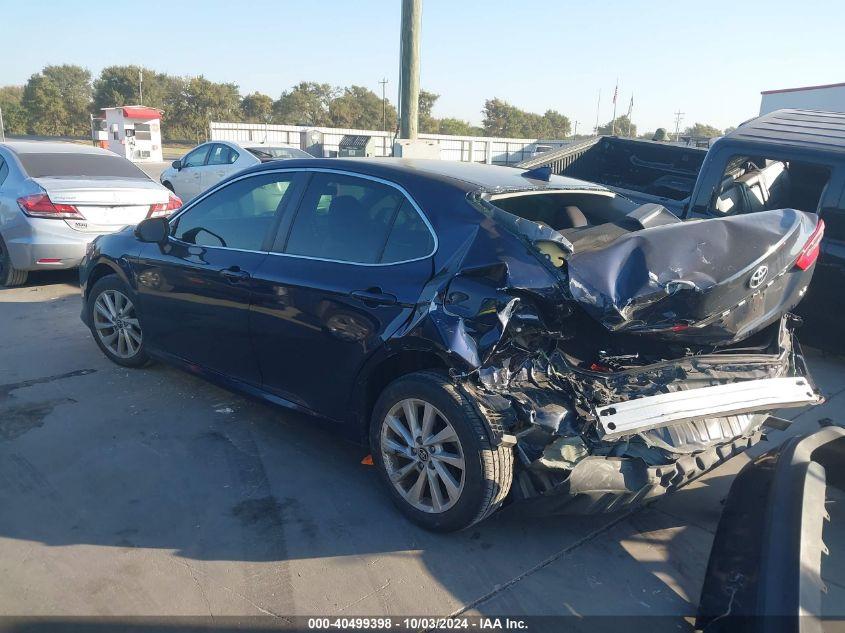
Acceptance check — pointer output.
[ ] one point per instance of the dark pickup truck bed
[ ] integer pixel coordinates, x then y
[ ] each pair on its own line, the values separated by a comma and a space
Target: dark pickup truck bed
784, 159
644, 171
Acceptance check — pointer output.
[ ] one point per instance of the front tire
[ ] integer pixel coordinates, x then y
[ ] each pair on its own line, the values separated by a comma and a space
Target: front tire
115, 324
9, 275
436, 455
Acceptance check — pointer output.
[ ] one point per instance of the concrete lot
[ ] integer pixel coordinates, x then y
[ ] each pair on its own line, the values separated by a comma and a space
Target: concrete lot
152, 492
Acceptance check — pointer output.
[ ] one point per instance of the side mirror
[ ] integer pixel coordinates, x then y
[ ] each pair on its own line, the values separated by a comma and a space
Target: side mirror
177, 165
153, 230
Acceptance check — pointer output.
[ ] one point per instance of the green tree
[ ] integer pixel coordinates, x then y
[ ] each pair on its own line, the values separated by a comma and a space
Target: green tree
307, 103
703, 130
14, 114
202, 101
729, 129
42, 103
456, 127
660, 134
257, 108
621, 126
119, 86
361, 108
554, 125
57, 101
427, 122
503, 119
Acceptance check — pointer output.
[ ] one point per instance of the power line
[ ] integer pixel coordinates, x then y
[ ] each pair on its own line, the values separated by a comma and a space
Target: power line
383, 83
679, 116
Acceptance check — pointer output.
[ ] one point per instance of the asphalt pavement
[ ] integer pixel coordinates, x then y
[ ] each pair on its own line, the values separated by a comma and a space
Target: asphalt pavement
151, 492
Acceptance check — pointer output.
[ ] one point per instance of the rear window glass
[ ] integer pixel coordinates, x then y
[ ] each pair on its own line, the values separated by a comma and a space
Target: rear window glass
67, 165
268, 153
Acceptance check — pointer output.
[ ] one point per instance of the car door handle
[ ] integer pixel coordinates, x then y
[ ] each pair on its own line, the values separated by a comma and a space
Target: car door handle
374, 296
234, 274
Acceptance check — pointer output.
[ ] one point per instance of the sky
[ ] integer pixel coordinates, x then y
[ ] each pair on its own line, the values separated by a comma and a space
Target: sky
707, 59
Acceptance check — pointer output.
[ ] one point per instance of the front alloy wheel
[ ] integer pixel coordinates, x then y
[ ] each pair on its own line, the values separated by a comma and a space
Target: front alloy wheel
423, 455
116, 324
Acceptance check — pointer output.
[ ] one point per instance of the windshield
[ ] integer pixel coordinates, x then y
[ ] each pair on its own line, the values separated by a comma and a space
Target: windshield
267, 153
69, 165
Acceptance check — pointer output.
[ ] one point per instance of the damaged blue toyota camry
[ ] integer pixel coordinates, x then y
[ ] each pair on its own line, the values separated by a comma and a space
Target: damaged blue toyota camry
494, 335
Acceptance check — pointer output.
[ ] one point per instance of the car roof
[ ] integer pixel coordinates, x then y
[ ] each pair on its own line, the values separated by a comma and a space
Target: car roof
808, 129
467, 176
53, 147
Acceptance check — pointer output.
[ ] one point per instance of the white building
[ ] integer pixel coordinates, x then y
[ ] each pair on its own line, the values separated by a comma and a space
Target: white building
133, 132
830, 98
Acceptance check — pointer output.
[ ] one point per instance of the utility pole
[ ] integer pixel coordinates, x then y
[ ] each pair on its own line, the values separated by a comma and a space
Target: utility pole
383, 83
2, 129
598, 111
575, 129
140, 87
409, 69
679, 116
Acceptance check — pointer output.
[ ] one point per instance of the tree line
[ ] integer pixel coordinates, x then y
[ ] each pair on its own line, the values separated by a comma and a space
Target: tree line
58, 101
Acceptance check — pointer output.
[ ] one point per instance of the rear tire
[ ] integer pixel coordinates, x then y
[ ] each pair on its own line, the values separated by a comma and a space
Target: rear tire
451, 479
115, 324
9, 275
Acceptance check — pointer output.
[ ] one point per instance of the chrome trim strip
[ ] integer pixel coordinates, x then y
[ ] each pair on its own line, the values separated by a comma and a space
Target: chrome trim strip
343, 172
632, 416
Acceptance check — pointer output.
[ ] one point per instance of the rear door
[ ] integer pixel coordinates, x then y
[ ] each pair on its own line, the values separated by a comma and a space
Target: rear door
344, 274
220, 165
195, 290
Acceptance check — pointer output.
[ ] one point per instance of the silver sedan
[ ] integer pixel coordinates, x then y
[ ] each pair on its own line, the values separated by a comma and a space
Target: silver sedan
55, 198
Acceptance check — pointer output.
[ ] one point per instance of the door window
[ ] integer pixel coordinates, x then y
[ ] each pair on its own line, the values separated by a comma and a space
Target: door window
239, 215
759, 183
222, 155
197, 157
349, 219
409, 237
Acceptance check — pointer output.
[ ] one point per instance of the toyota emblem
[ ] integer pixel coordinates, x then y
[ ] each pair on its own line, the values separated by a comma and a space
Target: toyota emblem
758, 277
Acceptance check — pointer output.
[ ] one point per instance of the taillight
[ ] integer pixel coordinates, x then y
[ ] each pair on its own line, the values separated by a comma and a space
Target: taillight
39, 205
160, 210
810, 252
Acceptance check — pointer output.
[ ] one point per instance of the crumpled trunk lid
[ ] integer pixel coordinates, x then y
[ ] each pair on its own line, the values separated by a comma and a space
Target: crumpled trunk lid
711, 281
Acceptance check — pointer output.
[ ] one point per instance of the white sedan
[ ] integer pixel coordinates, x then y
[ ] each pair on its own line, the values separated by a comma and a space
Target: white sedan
209, 163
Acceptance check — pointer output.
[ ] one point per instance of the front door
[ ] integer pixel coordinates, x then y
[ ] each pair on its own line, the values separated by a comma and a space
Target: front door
187, 182
195, 290
347, 271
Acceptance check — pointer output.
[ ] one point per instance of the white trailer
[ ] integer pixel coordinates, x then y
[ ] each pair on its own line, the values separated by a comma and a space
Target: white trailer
133, 132
829, 98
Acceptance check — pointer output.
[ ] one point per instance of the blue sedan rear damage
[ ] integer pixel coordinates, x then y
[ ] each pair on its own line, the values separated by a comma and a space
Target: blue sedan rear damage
566, 315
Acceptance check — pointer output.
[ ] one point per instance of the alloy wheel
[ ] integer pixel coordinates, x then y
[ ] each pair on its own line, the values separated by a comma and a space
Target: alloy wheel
423, 455
116, 324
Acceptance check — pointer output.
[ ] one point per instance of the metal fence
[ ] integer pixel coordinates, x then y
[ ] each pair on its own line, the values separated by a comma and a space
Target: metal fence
477, 149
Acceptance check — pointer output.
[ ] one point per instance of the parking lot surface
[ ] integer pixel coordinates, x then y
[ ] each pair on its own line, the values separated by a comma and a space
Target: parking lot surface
132, 492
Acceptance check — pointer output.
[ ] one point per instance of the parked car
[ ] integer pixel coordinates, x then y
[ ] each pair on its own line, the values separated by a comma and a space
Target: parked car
209, 163
784, 159
493, 334
57, 197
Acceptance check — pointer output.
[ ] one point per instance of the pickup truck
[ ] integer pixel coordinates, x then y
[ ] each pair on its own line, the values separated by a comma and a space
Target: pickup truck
784, 159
